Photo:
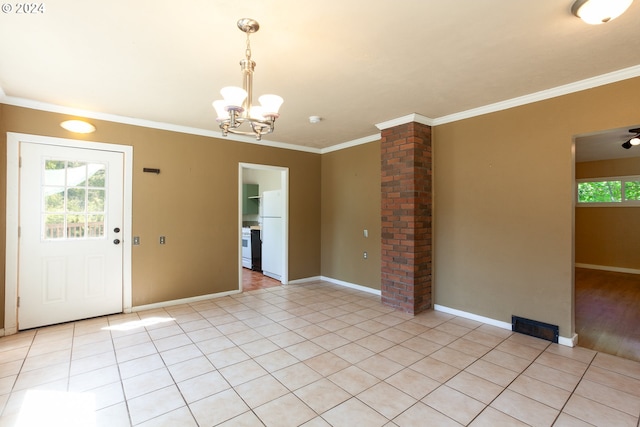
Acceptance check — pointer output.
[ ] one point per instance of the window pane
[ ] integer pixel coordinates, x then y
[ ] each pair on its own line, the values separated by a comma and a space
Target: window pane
54, 172
95, 226
599, 192
54, 199
76, 174
96, 175
632, 190
75, 226
96, 201
54, 227
75, 200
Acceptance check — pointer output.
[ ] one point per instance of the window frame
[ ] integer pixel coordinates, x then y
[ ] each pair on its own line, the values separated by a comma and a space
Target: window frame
622, 203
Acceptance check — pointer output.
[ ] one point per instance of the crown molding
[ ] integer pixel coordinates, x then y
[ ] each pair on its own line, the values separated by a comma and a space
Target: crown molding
415, 117
53, 108
352, 143
604, 79
601, 80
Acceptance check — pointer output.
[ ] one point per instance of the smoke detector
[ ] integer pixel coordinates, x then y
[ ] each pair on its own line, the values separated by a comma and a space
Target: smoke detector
315, 119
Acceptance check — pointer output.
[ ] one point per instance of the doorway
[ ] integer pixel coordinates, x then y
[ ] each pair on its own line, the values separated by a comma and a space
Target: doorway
69, 222
263, 208
606, 270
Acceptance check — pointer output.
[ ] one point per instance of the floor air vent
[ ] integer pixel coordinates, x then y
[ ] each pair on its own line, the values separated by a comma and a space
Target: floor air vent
534, 328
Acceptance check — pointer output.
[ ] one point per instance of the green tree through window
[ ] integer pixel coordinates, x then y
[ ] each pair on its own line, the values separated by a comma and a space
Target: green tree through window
609, 190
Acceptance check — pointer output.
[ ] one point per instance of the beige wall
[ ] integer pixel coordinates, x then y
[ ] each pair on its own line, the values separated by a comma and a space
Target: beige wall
608, 236
351, 204
503, 204
193, 201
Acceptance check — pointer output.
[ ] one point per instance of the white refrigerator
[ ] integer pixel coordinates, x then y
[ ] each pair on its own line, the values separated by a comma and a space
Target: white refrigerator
272, 236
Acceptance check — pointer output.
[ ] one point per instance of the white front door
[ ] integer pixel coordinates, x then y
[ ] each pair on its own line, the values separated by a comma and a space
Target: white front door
70, 244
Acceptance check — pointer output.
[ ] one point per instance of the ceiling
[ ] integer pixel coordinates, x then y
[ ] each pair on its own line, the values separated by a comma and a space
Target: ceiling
354, 63
606, 145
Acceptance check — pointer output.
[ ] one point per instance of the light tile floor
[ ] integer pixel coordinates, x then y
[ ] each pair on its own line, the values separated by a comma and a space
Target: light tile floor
313, 355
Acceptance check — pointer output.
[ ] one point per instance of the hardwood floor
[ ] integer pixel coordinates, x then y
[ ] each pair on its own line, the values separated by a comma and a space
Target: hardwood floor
252, 280
608, 312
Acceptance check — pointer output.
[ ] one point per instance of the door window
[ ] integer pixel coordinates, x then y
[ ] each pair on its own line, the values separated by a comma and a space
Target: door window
73, 200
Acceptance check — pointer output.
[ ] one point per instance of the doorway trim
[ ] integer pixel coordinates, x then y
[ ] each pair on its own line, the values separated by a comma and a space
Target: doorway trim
284, 186
12, 215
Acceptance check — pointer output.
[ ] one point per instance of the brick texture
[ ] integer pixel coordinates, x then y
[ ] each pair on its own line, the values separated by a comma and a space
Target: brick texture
406, 217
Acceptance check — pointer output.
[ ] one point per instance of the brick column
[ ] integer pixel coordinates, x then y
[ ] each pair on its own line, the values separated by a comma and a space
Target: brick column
406, 217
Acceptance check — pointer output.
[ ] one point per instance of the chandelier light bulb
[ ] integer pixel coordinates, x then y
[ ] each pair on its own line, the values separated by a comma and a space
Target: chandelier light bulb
221, 109
257, 112
596, 12
271, 104
635, 140
233, 96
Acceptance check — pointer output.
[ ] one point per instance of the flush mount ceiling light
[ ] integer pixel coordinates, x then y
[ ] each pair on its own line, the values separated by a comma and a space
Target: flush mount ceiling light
78, 126
236, 108
599, 11
635, 140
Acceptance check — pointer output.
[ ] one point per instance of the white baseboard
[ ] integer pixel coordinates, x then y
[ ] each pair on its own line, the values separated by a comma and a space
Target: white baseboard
471, 316
569, 342
351, 285
305, 280
182, 301
336, 282
608, 268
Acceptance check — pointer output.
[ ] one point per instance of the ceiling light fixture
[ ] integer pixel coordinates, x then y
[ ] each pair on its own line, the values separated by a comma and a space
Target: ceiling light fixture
599, 11
78, 126
236, 108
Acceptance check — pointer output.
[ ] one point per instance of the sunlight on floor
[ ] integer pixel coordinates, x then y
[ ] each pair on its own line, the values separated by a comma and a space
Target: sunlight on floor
57, 409
127, 326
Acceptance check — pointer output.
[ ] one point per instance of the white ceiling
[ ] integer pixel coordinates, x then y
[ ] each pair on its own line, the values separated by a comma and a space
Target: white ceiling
355, 63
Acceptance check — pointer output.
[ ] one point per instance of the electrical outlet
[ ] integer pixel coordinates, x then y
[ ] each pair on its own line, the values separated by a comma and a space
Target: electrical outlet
162, 240
364, 255
366, 233
136, 240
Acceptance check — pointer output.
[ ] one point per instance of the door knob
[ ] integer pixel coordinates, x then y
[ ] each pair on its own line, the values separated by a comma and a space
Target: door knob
116, 242
116, 230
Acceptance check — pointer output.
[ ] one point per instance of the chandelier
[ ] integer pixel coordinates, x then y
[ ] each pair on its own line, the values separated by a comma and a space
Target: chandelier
237, 109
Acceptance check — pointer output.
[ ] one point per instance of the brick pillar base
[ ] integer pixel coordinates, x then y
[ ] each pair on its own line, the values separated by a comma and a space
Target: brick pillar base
406, 217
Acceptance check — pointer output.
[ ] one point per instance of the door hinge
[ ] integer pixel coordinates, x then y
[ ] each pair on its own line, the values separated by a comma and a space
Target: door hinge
19, 231
20, 161
18, 302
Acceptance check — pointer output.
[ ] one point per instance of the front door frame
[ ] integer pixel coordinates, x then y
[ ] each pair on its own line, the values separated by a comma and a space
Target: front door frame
12, 215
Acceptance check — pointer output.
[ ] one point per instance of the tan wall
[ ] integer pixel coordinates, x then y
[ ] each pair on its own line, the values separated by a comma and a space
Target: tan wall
351, 204
608, 236
193, 201
503, 204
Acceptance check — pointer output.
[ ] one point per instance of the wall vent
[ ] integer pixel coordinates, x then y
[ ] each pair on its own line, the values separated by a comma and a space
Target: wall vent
534, 328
